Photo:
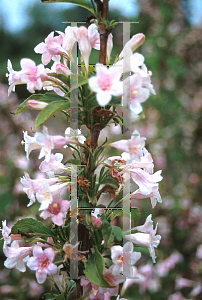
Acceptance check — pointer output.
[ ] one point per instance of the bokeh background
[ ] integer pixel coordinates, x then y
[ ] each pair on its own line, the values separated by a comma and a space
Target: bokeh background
172, 126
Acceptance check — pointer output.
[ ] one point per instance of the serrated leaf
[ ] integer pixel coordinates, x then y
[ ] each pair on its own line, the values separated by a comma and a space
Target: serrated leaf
73, 161
94, 269
82, 3
31, 227
49, 110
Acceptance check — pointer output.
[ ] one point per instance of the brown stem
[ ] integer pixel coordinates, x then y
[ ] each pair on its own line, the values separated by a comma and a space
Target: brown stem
103, 34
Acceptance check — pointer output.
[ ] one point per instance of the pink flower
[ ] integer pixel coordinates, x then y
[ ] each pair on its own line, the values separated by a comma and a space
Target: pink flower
136, 41
16, 256
13, 77
84, 44
6, 233
69, 38
30, 144
97, 221
41, 262
47, 193
113, 280
148, 238
154, 195
124, 258
134, 146
51, 49
106, 83
135, 93
31, 187
54, 165
145, 181
94, 37
48, 142
57, 210
87, 285
37, 105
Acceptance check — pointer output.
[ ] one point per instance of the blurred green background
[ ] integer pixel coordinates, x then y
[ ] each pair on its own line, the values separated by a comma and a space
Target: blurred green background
172, 126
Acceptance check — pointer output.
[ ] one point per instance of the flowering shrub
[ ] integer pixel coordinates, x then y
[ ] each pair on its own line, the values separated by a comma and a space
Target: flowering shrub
84, 246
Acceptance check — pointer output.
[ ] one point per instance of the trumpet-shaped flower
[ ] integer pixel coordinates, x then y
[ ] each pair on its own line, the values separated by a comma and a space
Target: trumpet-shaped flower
30, 144
16, 256
147, 238
136, 41
42, 263
57, 210
51, 49
154, 195
6, 233
84, 44
133, 146
32, 186
54, 165
124, 258
135, 93
106, 83
47, 193
30, 74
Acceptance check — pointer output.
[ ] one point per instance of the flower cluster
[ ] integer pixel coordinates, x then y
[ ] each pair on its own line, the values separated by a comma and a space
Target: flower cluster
103, 262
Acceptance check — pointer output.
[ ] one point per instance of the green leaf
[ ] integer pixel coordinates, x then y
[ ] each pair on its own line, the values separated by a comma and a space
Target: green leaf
108, 234
94, 269
48, 296
118, 233
73, 161
82, 3
81, 81
59, 297
49, 110
29, 227
48, 97
116, 213
70, 286
110, 181
135, 214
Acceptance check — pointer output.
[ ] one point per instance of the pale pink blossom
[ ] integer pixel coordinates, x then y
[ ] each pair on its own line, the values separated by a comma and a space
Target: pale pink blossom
135, 93
181, 282
148, 238
123, 259
106, 83
96, 221
57, 210
51, 49
136, 41
48, 142
109, 47
69, 38
154, 196
199, 252
42, 263
59, 68
137, 278
36, 105
32, 186
16, 256
87, 285
94, 37
74, 135
134, 146
13, 77
84, 44
46, 193
145, 181
113, 280
54, 165
177, 296
30, 144
6, 233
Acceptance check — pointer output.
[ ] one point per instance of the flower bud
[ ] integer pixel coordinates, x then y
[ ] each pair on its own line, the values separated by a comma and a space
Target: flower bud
37, 105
